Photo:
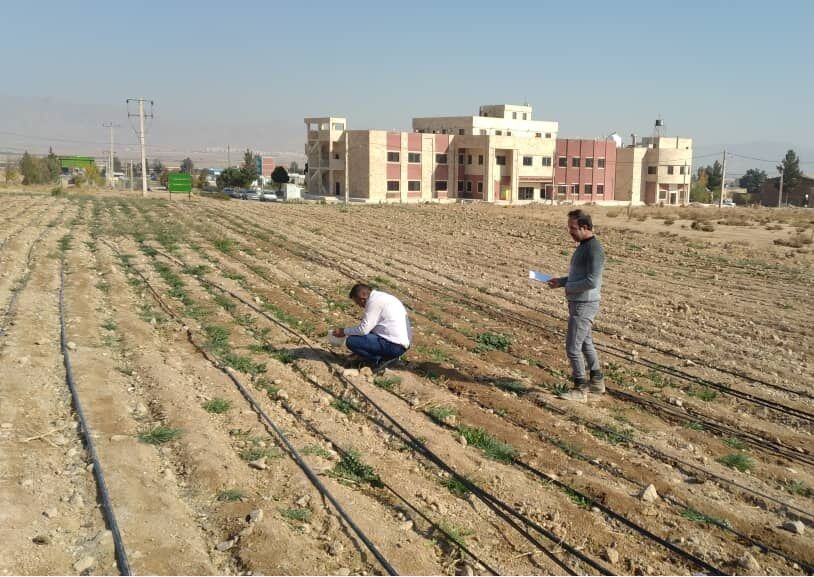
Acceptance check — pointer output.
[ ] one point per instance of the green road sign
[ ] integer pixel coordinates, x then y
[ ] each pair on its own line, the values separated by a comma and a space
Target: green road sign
179, 182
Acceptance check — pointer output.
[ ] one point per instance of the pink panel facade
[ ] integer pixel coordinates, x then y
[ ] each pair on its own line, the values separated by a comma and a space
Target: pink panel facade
393, 171
413, 172
582, 175
442, 143
393, 140
414, 142
441, 172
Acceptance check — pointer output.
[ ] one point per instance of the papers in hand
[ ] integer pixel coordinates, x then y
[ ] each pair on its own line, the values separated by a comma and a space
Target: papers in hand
539, 276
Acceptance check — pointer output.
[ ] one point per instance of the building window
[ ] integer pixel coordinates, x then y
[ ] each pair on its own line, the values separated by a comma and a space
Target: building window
651, 170
498, 133
588, 189
525, 116
562, 162
469, 159
562, 189
460, 186
483, 132
546, 161
414, 157
508, 133
575, 161
460, 159
538, 135
575, 189
589, 162
526, 161
440, 159
468, 186
413, 185
514, 116
339, 126
461, 131
440, 185
525, 193
600, 189
392, 186
480, 159
392, 157
443, 131
600, 163
500, 160
682, 169
480, 187
548, 135
670, 170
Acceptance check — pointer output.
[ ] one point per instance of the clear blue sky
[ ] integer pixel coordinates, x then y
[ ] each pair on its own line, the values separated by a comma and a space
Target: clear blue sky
246, 73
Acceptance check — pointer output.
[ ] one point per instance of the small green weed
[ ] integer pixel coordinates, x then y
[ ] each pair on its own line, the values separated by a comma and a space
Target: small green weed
435, 354
159, 435
225, 245
491, 447
316, 450
296, 514
578, 500
695, 426
109, 325
735, 443
456, 486
218, 338
737, 461
493, 342
244, 364
613, 435
386, 383
217, 406
699, 517
798, 488
705, 394
284, 357
440, 413
344, 406
510, 385
231, 495
455, 533
352, 468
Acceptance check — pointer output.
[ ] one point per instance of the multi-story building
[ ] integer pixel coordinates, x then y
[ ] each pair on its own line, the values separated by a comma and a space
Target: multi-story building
499, 155
585, 170
656, 170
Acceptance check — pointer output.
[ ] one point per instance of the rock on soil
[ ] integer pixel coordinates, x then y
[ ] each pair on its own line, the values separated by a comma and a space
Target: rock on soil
796, 527
649, 495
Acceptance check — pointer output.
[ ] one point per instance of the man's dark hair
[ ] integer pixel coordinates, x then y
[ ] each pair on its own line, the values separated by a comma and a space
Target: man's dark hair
583, 219
358, 289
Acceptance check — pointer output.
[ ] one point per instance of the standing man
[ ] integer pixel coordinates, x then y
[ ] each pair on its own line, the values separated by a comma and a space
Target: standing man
384, 334
582, 289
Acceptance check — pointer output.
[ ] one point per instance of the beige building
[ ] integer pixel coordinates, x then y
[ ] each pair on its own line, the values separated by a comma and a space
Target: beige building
656, 170
501, 154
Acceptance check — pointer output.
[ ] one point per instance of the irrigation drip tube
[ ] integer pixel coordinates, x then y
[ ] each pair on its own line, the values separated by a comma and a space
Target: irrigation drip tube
649, 450
650, 364
21, 283
312, 477
107, 507
501, 509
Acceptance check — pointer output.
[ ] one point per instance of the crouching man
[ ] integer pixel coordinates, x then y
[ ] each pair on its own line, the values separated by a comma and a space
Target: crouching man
384, 333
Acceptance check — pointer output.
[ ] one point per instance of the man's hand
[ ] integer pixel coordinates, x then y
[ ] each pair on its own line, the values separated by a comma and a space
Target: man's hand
339, 333
554, 283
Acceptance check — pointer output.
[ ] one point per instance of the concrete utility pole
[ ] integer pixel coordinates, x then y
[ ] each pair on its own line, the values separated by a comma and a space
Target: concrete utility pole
780, 193
111, 154
130, 177
141, 115
228, 156
723, 182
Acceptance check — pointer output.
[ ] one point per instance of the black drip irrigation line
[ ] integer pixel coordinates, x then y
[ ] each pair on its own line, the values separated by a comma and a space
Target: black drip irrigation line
649, 450
756, 441
653, 365
674, 461
312, 477
104, 496
502, 510
21, 283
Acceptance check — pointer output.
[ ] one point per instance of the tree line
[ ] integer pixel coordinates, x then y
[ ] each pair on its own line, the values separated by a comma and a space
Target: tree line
707, 181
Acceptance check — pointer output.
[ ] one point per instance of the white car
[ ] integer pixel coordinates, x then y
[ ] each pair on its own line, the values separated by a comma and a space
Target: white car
269, 196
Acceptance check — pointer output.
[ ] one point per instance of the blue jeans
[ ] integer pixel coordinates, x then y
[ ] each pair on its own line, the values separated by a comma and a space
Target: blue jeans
579, 344
374, 348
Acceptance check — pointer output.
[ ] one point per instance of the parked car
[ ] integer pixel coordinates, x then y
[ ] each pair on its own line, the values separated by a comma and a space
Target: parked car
250, 195
232, 192
269, 196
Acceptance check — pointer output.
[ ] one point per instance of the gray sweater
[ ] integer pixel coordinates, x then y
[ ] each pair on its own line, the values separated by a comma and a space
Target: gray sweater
584, 280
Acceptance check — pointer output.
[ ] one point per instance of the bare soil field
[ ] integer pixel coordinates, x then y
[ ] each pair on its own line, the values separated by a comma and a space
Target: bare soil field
232, 439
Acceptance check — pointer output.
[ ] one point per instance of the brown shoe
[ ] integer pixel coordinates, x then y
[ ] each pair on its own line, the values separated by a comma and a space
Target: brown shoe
597, 385
579, 395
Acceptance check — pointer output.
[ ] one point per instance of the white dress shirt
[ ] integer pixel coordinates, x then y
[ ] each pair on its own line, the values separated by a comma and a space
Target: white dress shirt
384, 316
